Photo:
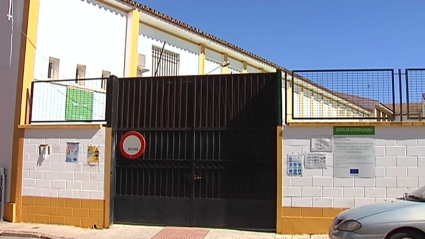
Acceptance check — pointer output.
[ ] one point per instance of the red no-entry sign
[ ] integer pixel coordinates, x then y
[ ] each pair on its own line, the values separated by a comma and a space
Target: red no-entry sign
132, 145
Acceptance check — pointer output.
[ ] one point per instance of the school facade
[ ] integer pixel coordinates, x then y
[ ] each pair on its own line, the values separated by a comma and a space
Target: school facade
63, 160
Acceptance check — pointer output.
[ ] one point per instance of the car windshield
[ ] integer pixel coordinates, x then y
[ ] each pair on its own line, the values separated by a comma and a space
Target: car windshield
416, 195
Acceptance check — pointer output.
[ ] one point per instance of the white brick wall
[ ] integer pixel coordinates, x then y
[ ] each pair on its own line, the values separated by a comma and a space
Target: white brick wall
53, 177
400, 167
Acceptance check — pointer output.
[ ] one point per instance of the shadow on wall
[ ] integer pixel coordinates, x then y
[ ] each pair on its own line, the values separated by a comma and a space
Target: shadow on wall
61, 133
382, 132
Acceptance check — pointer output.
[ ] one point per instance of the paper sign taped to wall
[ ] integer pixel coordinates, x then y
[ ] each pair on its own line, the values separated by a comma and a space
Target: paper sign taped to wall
72, 151
315, 161
92, 154
295, 164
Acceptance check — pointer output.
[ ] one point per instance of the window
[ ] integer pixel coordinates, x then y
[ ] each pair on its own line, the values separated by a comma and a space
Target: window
169, 62
105, 76
80, 73
53, 68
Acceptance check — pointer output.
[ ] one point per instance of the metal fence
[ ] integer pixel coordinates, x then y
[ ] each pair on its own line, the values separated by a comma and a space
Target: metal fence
415, 94
82, 100
365, 94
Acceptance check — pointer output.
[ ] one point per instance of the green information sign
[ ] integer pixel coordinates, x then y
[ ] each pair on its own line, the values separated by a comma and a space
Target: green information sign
354, 130
79, 104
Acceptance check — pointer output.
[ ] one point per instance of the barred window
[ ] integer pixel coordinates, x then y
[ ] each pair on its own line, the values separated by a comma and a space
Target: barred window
169, 62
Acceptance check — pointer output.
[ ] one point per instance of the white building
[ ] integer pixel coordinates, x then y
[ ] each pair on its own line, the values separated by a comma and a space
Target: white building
79, 39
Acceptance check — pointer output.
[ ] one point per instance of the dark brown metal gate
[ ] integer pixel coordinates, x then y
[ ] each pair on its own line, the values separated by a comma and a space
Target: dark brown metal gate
211, 150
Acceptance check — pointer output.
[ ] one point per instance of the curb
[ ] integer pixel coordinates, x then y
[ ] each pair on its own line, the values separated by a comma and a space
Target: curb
29, 234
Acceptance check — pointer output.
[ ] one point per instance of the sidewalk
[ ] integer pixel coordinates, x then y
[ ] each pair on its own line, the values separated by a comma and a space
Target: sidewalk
133, 232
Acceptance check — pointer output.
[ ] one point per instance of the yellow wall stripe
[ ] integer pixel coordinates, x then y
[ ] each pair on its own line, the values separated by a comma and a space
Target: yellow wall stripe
25, 77
107, 187
201, 70
244, 67
279, 138
225, 70
133, 19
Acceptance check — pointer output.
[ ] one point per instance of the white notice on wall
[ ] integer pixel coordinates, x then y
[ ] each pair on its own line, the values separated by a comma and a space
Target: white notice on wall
354, 157
321, 144
313, 161
295, 164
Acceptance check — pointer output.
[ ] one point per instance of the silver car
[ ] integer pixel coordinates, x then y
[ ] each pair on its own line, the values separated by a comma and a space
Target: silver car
403, 217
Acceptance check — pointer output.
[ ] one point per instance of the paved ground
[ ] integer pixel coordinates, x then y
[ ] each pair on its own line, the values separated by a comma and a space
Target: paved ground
133, 232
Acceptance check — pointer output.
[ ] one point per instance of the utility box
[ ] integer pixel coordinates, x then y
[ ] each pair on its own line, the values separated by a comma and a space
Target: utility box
2, 192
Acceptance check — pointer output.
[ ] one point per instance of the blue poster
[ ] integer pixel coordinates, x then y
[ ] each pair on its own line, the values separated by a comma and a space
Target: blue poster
295, 165
72, 152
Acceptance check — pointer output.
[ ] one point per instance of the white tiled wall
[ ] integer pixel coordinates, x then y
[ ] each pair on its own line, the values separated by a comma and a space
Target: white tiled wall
53, 177
400, 167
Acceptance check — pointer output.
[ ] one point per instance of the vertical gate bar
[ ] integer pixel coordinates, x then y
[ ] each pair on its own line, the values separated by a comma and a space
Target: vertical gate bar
207, 105
156, 103
122, 100
139, 110
406, 76
162, 110
220, 102
149, 182
137, 181
131, 181
168, 115
174, 104
220, 139
126, 181
133, 105
151, 82
145, 109
401, 96
286, 98
173, 157
128, 99
213, 121
185, 160
186, 103
393, 88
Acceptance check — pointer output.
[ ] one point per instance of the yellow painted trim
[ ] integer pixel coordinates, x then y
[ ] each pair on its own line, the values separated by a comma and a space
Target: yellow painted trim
225, 70
133, 26
107, 184
61, 126
202, 56
244, 67
25, 77
262, 70
279, 194
322, 124
9, 212
295, 220
85, 213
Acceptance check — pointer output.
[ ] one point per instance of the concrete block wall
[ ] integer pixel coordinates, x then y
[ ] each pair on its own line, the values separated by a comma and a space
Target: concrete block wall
400, 168
57, 192
53, 177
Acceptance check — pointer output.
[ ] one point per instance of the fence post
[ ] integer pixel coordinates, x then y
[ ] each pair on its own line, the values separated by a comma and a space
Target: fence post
111, 94
401, 97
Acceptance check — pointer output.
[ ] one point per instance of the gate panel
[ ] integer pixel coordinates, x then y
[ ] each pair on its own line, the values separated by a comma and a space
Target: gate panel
155, 189
211, 150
